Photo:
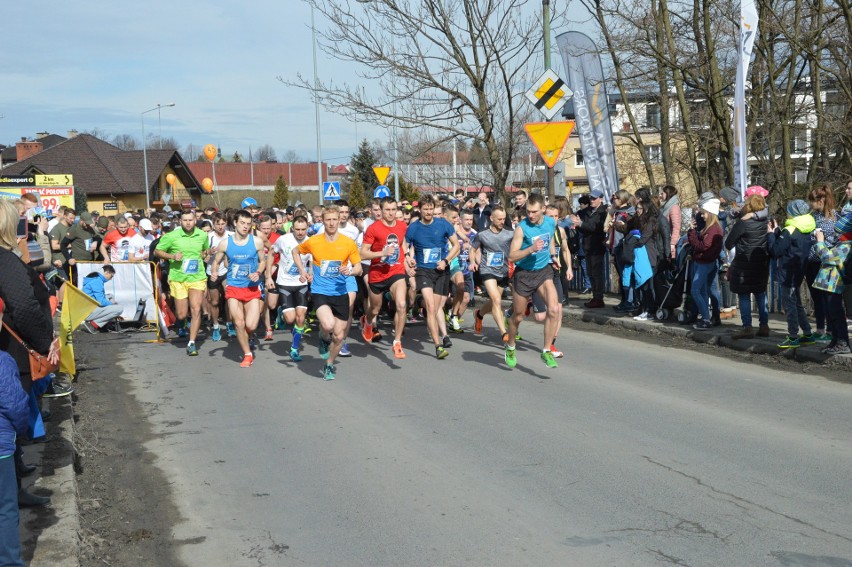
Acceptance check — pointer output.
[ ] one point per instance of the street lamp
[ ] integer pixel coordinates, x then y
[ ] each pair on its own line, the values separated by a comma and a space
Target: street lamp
317, 108
145, 151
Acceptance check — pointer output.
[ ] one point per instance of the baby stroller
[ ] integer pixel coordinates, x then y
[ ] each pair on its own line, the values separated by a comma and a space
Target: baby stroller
673, 285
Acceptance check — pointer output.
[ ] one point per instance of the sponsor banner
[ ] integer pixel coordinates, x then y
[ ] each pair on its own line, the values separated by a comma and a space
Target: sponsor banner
133, 282
748, 31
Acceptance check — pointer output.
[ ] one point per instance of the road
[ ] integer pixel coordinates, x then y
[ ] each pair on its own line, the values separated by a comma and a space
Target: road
627, 454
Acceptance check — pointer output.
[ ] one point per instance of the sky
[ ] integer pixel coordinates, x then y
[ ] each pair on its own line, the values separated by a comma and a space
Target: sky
100, 64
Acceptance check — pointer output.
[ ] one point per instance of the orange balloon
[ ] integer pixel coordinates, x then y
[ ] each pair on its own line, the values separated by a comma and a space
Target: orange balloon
207, 185
210, 151
170, 178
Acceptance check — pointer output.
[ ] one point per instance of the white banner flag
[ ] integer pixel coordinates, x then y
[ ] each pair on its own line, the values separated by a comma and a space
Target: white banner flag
748, 30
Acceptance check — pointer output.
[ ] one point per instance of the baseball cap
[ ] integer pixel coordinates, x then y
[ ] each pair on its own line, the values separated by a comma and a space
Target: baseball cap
145, 224
128, 214
86, 217
596, 194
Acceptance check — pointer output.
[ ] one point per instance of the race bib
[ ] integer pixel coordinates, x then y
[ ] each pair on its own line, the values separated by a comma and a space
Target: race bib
546, 239
240, 271
494, 259
393, 258
431, 255
293, 271
123, 254
88, 244
330, 268
189, 266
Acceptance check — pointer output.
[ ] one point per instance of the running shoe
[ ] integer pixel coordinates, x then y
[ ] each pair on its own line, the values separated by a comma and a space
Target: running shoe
477, 322
511, 357
182, 333
232, 332
806, 340
328, 372
441, 353
344, 351
454, 325
217, 335
644, 316
556, 352
57, 390
191, 349
89, 328
268, 336
703, 325
363, 322
377, 334
247, 361
790, 342
323, 348
839, 348
294, 355
447, 343
397, 350
822, 337
548, 359
252, 343
367, 333
505, 338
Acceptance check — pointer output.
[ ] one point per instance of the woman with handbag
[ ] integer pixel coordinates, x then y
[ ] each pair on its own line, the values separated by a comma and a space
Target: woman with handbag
27, 314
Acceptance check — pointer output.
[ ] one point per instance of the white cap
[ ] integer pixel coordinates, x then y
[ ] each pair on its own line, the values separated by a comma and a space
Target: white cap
128, 214
145, 224
711, 206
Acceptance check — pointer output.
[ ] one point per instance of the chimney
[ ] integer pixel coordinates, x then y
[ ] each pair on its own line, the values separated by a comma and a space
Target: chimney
26, 149
40, 135
72, 134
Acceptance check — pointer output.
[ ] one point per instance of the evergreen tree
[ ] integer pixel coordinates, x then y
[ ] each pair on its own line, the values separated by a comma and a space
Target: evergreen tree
237, 158
362, 166
81, 200
281, 197
407, 191
357, 196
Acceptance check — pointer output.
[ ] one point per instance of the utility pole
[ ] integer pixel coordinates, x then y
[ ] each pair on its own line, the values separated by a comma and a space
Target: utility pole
545, 16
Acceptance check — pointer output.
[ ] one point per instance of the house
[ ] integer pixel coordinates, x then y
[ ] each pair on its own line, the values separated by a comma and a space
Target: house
112, 179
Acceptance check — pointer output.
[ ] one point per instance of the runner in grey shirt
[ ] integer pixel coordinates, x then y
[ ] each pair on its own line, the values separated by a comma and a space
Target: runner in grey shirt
490, 257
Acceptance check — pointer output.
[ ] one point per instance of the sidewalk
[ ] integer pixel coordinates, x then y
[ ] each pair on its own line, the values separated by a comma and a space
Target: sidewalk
721, 336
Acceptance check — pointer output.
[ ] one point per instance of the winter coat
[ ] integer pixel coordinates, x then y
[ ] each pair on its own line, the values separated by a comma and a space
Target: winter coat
706, 247
833, 265
670, 223
639, 267
14, 405
93, 286
27, 311
827, 226
592, 228
482, 218
749, 271
790, 247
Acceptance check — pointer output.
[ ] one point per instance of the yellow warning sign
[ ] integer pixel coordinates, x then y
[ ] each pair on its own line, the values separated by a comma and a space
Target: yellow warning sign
549, 138
381, 172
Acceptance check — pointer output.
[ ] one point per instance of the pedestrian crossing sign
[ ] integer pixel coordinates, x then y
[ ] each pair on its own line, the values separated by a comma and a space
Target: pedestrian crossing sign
331, 190
549, 94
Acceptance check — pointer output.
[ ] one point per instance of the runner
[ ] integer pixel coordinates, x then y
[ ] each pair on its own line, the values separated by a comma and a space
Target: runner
215, 287
531, 250
490, 257
246, 266
186, 249
265, 230
115, 247
460, 273
334, 257
429, 238
384, 244
292, 291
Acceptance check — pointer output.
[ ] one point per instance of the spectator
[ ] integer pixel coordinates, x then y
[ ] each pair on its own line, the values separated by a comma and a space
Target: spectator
749, 271
670, 216
93, 286
643, 228
705, 237
591, 225
521, 202
830, 279
790, 247
79, 244
821, 200
622, 210
482, 212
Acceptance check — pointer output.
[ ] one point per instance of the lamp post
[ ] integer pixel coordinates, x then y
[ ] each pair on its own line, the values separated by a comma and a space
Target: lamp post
145, 151
317, 108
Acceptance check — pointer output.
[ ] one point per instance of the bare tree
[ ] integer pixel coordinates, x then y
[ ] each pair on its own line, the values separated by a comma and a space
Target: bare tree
290, 156
264, 153
191, 152
457, 67
154, 142
125, 142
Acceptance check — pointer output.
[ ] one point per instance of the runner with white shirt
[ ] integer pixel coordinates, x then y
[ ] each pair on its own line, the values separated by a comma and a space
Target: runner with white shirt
215, 287
140, 243
293, 291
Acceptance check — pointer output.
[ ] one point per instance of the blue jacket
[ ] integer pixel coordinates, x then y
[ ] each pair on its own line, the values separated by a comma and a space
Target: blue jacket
14, 405
790, 247
641, 269
93, 286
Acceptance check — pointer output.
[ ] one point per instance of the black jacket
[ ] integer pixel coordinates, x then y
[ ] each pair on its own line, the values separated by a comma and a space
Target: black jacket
749, 272
790, 247
482, 219
592, 229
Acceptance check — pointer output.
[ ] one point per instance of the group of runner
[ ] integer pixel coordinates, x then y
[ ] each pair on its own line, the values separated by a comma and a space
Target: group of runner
324, 263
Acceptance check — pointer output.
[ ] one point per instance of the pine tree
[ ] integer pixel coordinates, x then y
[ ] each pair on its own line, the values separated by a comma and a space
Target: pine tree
407, 191
281, 197
81, 200
362, 166
357, 197
237, 158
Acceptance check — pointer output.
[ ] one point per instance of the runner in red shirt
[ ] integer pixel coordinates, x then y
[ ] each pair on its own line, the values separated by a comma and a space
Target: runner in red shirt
384, 244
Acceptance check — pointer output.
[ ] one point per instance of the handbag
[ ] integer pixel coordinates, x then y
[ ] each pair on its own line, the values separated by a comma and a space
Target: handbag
39, 364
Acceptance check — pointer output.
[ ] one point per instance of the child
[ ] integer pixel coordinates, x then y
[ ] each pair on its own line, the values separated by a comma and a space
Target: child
830, 279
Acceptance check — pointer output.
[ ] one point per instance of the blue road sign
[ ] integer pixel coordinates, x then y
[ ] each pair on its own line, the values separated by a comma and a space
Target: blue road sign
381, 192
331, 190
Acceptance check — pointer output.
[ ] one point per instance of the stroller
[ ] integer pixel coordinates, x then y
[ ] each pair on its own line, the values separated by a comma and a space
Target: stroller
673, 283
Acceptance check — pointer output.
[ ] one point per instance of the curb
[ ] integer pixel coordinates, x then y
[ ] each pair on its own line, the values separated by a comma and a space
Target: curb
720, 336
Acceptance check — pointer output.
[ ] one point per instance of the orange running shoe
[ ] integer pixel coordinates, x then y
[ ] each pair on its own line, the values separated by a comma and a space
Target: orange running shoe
397, 350
367, 334
247, 361
556, 352
505, 338
268, 336
477, 322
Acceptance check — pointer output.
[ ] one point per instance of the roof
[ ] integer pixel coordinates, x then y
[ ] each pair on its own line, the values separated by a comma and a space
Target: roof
265, 173
10, 153
99, 168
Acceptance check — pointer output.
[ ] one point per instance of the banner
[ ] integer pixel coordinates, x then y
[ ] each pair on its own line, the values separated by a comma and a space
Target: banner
748, 30
76, 306
133, 282
591, 110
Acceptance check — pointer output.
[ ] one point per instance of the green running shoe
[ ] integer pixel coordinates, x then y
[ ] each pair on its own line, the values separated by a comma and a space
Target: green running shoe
548, 359
511, 357
323, 348
441, 353
328, 372
790, 342
294, 355
806, 340
191, 349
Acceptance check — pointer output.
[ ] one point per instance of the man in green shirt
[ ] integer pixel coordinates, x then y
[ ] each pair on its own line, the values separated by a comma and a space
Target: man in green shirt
186, 249
57, 235
80, 243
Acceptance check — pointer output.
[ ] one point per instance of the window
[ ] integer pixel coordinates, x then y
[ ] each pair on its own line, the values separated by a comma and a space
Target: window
654, 153
800, 139
801, 176
652, 116
578, 159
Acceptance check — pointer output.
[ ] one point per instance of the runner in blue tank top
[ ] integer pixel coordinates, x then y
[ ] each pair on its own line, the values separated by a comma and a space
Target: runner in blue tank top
246, 266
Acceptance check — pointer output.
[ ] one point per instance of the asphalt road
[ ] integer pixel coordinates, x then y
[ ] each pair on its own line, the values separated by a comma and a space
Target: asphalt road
627, 454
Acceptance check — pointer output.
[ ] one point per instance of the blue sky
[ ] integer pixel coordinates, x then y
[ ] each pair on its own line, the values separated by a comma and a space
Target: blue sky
99, 64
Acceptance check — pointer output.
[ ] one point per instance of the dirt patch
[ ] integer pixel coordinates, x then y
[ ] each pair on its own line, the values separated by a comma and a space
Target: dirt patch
126, 511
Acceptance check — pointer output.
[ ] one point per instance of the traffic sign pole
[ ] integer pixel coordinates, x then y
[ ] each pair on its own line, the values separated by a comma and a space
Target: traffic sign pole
545, 13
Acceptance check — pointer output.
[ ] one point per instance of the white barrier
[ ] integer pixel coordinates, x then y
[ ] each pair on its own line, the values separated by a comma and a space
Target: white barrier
133, 282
